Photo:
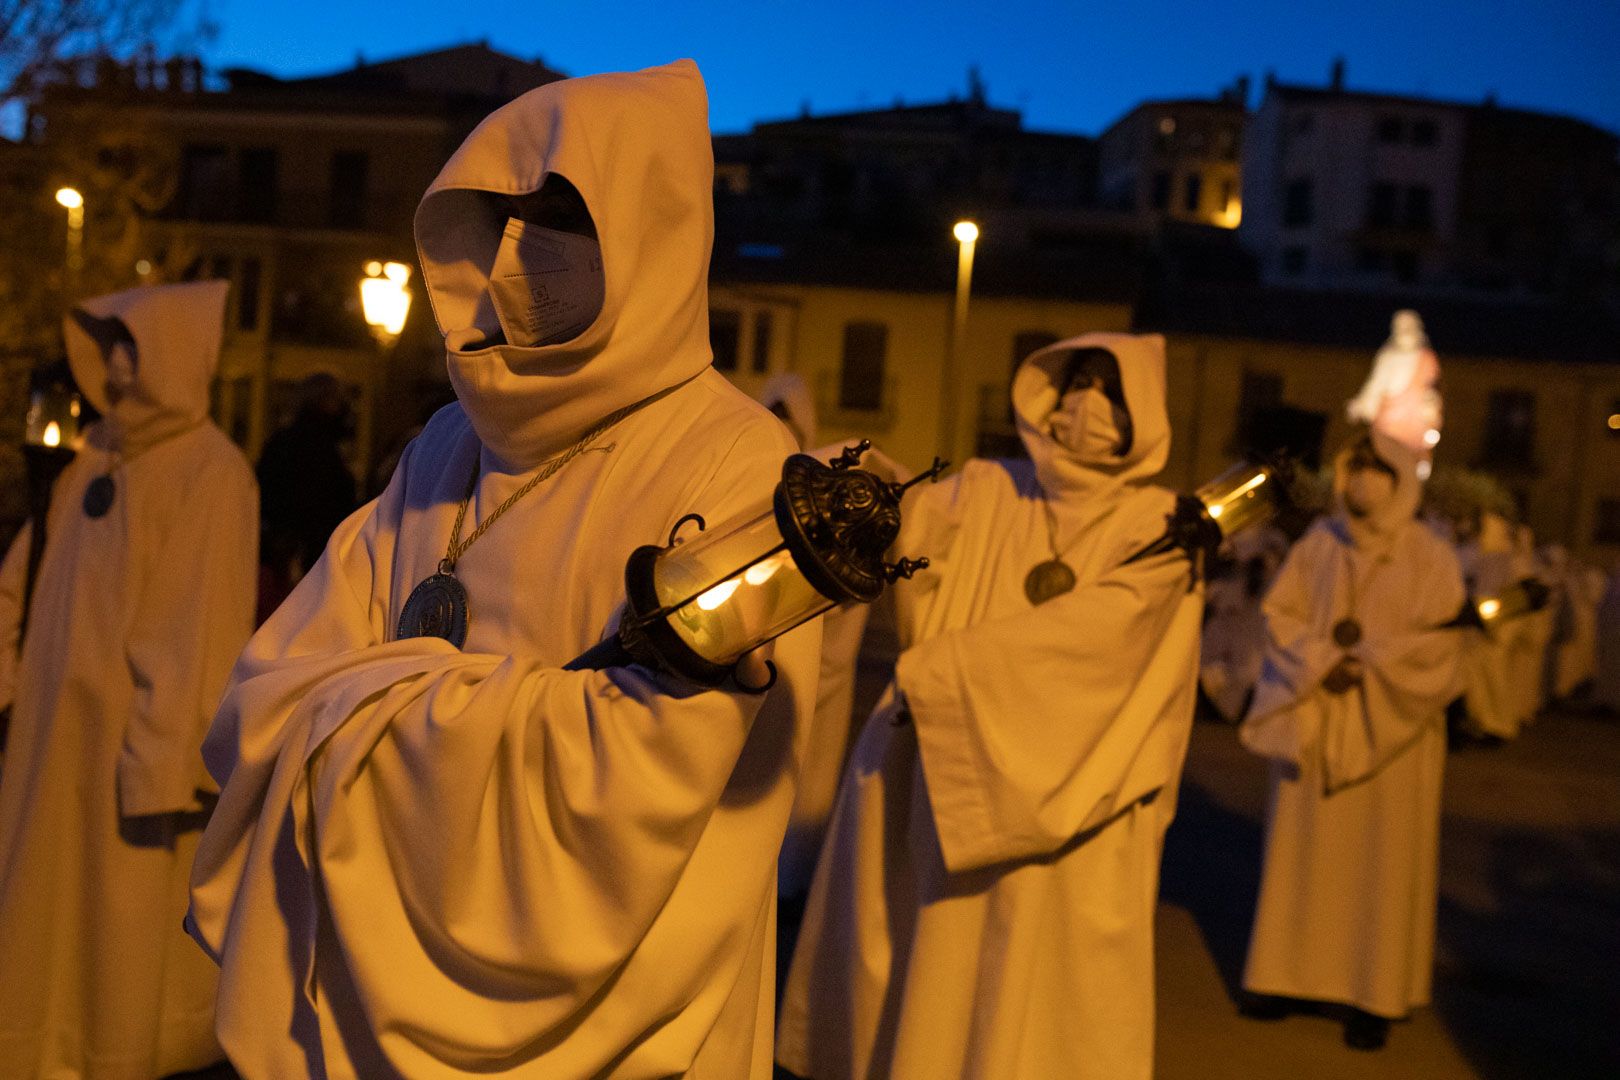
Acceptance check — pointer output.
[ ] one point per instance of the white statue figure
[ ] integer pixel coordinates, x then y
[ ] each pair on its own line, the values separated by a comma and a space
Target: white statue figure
1401, 396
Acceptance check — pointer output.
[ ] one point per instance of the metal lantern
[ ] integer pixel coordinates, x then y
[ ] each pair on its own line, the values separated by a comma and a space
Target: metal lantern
53, 431
694, 607
1248, 494
55, 415
1488, 613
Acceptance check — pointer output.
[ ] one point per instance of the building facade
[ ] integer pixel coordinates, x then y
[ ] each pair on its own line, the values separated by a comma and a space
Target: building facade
1348, 189
1177, 160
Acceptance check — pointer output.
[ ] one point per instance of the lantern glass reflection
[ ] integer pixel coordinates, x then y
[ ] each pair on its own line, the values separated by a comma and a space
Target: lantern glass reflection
53, 420
1242, 496
736, 584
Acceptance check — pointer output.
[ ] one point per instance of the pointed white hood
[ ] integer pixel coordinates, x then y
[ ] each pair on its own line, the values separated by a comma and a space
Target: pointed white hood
1377, 533
177, 331
1065, 474
637, 148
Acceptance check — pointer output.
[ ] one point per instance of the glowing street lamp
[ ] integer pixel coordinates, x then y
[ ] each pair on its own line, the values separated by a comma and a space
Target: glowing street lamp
967, 239
695, 607
72, 200
385, 298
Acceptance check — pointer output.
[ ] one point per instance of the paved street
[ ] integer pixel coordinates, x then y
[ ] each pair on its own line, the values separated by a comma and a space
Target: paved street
1528, 969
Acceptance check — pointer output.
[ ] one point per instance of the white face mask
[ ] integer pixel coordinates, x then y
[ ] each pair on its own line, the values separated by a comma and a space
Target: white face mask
546, 286
1083, 423
120, 372
1367, 492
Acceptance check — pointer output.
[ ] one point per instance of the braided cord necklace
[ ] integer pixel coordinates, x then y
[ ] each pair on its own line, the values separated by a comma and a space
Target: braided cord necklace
438, 606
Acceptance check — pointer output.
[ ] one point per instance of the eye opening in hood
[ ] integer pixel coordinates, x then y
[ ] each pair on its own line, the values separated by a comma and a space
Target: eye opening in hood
555, 204
1096, 366
1363, 454
106, 331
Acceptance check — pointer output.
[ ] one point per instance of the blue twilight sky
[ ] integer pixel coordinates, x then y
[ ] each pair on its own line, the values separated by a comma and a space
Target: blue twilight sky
1069, 66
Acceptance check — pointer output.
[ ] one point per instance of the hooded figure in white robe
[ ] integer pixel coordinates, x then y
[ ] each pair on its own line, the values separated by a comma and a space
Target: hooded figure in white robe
984, 904
137, 615
1577, 591
1234, 639
1493, 660
440, 862
1353, 723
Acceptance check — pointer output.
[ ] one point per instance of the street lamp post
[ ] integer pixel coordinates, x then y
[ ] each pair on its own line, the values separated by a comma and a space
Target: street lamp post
967, 239
72, 200
385, 300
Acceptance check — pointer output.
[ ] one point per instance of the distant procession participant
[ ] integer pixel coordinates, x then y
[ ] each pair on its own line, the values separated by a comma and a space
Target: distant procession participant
1234, 637
983, 907
1494, 662
448, 856
1350, 712
144, 598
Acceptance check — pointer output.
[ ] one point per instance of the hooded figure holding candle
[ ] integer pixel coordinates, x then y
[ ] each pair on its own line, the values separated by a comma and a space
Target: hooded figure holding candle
984, 903
433, 861
143, 599
1350, 712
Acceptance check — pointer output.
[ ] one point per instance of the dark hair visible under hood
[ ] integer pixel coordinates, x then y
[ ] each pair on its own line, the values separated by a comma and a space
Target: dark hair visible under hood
1096, 365
105, 331
1364, 455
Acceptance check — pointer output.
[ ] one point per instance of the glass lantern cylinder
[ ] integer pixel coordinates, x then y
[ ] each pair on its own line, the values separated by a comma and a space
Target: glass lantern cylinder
1246, 495
1523, 597
696, 606
54, 419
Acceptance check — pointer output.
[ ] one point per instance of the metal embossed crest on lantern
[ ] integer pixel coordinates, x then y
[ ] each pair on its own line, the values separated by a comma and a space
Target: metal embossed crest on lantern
695, 606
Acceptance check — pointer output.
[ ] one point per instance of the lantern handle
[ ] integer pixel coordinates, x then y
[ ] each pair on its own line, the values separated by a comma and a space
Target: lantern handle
930, 473
674, 533
770, 666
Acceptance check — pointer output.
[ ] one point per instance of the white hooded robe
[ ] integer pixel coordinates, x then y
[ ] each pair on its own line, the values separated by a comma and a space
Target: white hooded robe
136, 619
438, 863
1348, 891
984, 903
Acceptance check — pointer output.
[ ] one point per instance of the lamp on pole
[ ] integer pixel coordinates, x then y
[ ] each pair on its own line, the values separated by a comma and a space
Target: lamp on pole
385, 300
72, 200
967, 238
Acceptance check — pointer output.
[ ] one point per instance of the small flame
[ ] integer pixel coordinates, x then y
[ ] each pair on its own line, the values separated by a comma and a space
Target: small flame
1489, 608
764, 570
52, 435
718, 595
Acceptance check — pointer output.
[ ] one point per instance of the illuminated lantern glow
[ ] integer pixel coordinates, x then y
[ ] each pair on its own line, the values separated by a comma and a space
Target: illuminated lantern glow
1523, 597
696, 606
1244, 496
52, 421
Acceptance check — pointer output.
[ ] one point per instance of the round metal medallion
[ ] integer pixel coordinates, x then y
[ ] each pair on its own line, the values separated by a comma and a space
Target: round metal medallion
1047, 580
436, 608
98, 497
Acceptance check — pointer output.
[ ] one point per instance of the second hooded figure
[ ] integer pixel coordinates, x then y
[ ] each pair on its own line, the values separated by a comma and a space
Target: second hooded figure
999, 827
